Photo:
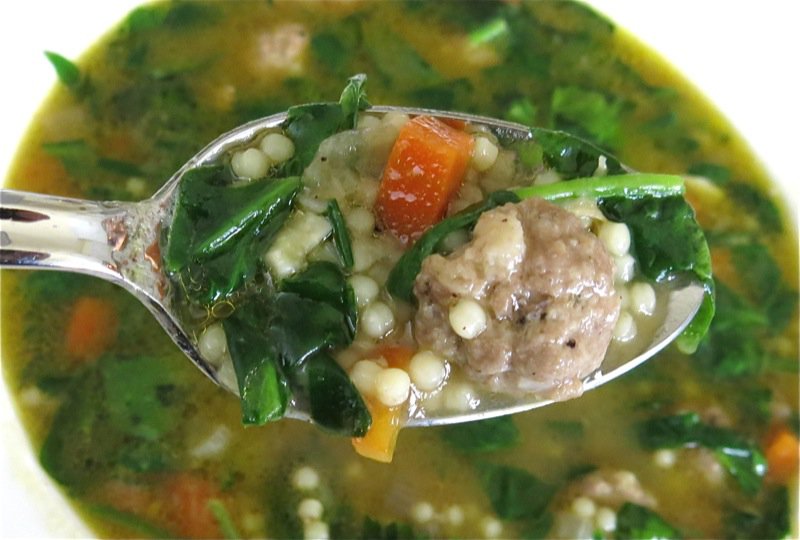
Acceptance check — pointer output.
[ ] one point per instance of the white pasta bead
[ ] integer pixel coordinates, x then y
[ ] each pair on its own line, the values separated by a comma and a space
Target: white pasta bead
250, 163
427, 370
422, 512
277, 147
363, 374
460, 397
625, 329
360, 220
316, 530
624, 268
312, 204
643, 298
214, 444
365, 289
492, 527
377, 320
467, 318
310, 510
665, 458
583, 507
605, 519
454, 515
305, 479
392, 386
295, 241
615, 236
227, 374
484, 154
364, 255
212, 343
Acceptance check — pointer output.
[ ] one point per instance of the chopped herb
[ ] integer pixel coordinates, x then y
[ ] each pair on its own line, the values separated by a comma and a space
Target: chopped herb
753, 200
586, 113
491, 31
341, 236
226, 525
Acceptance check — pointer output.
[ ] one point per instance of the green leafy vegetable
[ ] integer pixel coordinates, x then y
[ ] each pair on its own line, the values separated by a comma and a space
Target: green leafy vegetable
771, 520
482, 436
341, 236
493, 30
634, 521
400, 282
666, 242
374, 530
522, 111
218, 232
572, 157
587, 113
514, 493
716, 173
67, 72
753, 200
226, 525
308, 125
743, 460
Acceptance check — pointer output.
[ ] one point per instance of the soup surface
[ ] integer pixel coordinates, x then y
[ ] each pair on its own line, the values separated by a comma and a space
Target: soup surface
702, 445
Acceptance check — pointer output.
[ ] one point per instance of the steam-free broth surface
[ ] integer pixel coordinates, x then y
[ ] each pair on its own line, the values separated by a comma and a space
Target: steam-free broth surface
146, 446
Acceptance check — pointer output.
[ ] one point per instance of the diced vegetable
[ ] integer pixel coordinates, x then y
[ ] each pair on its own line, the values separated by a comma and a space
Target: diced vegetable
425, 169
91, 329
379, 442
187, 505
782, 450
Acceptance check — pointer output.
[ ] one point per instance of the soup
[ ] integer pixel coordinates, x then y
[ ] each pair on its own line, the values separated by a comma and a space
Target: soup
147, 446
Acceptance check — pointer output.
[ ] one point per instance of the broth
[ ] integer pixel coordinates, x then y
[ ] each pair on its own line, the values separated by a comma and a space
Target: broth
171, 78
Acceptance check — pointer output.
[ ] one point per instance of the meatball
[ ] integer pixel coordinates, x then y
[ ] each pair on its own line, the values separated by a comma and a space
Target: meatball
546, 285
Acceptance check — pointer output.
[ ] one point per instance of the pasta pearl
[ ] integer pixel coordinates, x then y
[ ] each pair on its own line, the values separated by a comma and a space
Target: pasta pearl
360, 220
605, 519
250, 163
427, 371
616, 237
392, 386
213, 344
363, 374
492, 527
310, 510
625, 329
316, 530
305, 479
643, 298
277, 147
467, 318
377, 320
422, 512
365, 289
624, 268
484, 154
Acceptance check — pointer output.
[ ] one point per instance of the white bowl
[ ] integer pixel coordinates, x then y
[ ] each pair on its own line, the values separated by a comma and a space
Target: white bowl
740, 55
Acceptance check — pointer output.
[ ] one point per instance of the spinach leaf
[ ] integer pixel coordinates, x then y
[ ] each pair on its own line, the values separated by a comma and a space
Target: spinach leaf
482, 436
334, 402
522, 111
753, 200
279, 346
514, 493
67, 72
587, 113
341, 236
743, 460
716, 173
634, 521
263, 388
218, 232
572, 157
310, 124
374, 530
400, 282
336, 45
396, 60
770, 521
667, 242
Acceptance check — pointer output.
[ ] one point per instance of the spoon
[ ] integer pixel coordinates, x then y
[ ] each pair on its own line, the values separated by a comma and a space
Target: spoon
118, 242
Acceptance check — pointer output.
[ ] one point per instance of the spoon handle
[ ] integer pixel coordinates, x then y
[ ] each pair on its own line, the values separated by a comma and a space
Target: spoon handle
47, 232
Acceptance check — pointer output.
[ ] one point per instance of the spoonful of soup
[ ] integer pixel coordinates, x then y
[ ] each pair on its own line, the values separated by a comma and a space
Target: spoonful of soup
371, 267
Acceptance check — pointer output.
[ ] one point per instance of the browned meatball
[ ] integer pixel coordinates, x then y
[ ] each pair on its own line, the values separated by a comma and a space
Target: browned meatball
546, 285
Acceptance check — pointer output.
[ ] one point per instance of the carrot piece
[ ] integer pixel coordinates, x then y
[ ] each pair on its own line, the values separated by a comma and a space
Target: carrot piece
379, 442
425, 169
186, 506
782, 453
92, 328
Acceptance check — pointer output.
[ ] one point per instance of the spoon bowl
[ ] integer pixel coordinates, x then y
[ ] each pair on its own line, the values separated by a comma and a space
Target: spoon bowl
119, 242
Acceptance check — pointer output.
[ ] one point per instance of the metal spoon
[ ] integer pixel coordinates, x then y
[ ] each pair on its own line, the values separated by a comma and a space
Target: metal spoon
118, 242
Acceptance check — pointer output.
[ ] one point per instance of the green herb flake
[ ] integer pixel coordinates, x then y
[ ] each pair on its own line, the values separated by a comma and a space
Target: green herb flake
67, 72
